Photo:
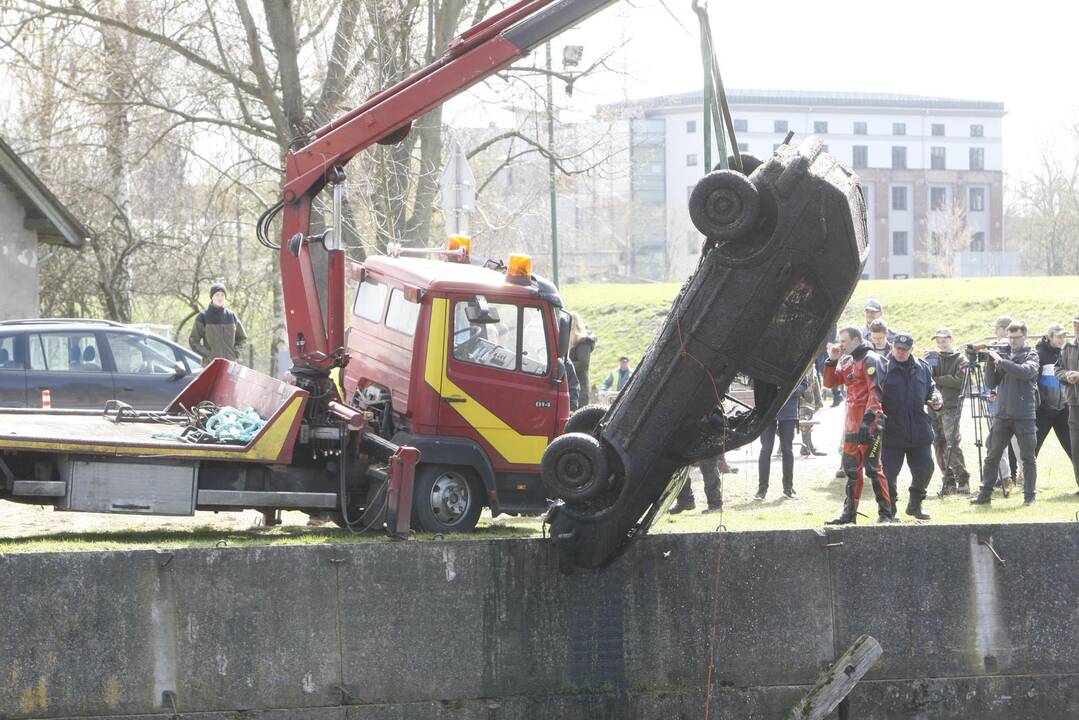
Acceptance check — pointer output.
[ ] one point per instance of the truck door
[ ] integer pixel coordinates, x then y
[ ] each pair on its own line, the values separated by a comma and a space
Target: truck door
498, 386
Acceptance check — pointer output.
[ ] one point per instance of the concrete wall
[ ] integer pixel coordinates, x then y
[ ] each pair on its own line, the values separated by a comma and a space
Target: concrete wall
18, 260
489, 629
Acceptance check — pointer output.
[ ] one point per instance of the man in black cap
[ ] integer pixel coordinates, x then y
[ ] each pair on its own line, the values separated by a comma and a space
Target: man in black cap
217, 332
619, 376
908, 388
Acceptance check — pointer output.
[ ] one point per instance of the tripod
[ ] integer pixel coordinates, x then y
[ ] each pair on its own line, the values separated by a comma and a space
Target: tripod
973, 388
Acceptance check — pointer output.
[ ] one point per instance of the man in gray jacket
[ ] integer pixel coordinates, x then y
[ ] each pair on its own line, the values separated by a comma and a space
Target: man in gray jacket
1015, 379
1067, 371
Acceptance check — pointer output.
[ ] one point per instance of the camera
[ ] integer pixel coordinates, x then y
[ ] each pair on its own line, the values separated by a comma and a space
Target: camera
980, 352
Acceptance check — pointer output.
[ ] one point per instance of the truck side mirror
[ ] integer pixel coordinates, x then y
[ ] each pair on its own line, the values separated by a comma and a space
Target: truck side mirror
565, 325
479, 312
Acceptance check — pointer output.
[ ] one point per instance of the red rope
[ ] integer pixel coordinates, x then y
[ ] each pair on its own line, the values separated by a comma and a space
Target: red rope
685, 353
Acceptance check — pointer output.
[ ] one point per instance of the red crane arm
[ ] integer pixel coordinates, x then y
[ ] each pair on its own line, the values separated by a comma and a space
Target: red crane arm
476, 54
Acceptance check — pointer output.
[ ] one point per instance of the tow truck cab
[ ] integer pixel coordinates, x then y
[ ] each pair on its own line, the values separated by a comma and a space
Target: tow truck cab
462, 361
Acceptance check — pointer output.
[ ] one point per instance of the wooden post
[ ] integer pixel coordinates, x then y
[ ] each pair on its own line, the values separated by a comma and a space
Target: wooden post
834, 685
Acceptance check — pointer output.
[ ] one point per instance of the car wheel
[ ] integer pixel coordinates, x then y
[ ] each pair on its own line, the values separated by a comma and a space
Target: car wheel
574, 468
586, 420
446, 499
724, 205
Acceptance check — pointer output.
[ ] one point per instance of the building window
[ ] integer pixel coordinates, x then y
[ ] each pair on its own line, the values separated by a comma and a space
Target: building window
691, 126
820, 127
780, 126
938, 198
935, 243
977, 242
691, 160
899, 242
899, 157
693, 242
860, 128
937, 130
743, 147
977, 158
900, 276
936, 158
977, 131
899, 128
899, 197
977, 199
860, 157
741, 125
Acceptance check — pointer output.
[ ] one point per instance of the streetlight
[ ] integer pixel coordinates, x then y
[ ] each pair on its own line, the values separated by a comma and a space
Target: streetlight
571, 58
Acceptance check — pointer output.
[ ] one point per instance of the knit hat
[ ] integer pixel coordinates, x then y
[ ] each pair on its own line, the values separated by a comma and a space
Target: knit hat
216, 288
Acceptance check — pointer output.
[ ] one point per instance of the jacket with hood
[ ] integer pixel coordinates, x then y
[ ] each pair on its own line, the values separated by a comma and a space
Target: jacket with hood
1049, 386
218, 333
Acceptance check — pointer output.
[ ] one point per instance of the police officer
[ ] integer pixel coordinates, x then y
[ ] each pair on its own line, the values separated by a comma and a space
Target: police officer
863, 375
1015, 379
908, 388
949, 373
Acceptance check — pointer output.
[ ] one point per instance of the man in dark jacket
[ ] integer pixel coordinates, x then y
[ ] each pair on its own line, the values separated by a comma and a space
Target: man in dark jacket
581, 344
217, 332
1067, 372
785, 426
619, 376
1052, 411
1015, 379
908, 388
949, 373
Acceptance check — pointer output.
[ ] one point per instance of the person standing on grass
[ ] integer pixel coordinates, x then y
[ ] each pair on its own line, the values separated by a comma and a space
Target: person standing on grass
618, 377
1052, 412
1014, 376
908, 435
785, 425
217, 332
1067, 371
949, 373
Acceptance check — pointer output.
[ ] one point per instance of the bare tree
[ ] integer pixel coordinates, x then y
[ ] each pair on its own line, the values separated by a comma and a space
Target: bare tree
1044, 218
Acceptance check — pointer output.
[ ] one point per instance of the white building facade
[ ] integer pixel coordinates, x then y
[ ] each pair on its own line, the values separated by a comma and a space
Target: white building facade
930, 170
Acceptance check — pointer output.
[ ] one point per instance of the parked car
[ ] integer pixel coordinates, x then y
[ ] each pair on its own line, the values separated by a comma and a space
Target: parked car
85, 363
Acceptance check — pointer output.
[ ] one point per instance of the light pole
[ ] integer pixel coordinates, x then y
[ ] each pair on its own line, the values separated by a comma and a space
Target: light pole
571, 57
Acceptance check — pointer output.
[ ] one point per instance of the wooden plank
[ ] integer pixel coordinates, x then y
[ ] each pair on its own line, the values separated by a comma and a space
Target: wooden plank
835, 683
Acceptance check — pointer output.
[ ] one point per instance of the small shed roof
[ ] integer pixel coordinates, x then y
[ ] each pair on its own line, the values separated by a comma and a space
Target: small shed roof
45, 213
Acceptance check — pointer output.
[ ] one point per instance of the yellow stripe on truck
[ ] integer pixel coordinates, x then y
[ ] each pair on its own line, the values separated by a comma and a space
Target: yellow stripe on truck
516, 448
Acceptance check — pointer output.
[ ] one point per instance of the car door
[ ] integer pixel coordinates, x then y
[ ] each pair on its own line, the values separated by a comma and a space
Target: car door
67, 363
12, 369
498, 382
146, 375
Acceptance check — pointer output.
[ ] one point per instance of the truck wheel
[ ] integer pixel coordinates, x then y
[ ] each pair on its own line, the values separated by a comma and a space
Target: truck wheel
446, 499
724, 205
586, 420
574, 467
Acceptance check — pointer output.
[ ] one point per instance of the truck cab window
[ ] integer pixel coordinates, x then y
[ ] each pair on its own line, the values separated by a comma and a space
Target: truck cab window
534, 342
491, 344
402, 314
370, 299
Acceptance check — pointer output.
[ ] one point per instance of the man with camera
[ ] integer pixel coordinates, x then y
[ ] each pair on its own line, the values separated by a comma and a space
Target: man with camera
862, 371
949, 373
1067, 371
1013, 372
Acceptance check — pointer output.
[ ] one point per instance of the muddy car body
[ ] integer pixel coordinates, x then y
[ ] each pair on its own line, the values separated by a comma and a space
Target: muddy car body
760, 303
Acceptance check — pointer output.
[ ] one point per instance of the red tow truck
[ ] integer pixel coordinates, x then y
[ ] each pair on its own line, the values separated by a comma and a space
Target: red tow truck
465, 362
315, 451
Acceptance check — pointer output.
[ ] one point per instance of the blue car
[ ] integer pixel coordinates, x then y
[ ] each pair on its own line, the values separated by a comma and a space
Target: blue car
85, 363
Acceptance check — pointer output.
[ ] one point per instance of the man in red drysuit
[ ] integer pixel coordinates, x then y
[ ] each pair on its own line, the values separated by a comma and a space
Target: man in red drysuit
862, 371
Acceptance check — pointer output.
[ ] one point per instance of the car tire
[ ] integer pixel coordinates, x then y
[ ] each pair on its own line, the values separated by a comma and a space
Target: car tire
724, 205
574, 468
446, 499
749, 163
586, 420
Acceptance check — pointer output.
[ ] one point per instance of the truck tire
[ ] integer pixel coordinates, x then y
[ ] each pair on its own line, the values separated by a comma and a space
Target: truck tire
724, 205
586, 420
446, 499
574, 468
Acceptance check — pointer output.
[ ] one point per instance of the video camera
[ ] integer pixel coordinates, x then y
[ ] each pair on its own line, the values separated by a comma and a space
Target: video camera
979, 352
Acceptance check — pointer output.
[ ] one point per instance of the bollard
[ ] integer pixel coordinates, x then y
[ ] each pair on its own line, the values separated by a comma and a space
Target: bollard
46, 400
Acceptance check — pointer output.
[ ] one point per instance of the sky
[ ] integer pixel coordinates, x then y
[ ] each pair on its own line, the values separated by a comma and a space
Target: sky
1021, 54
